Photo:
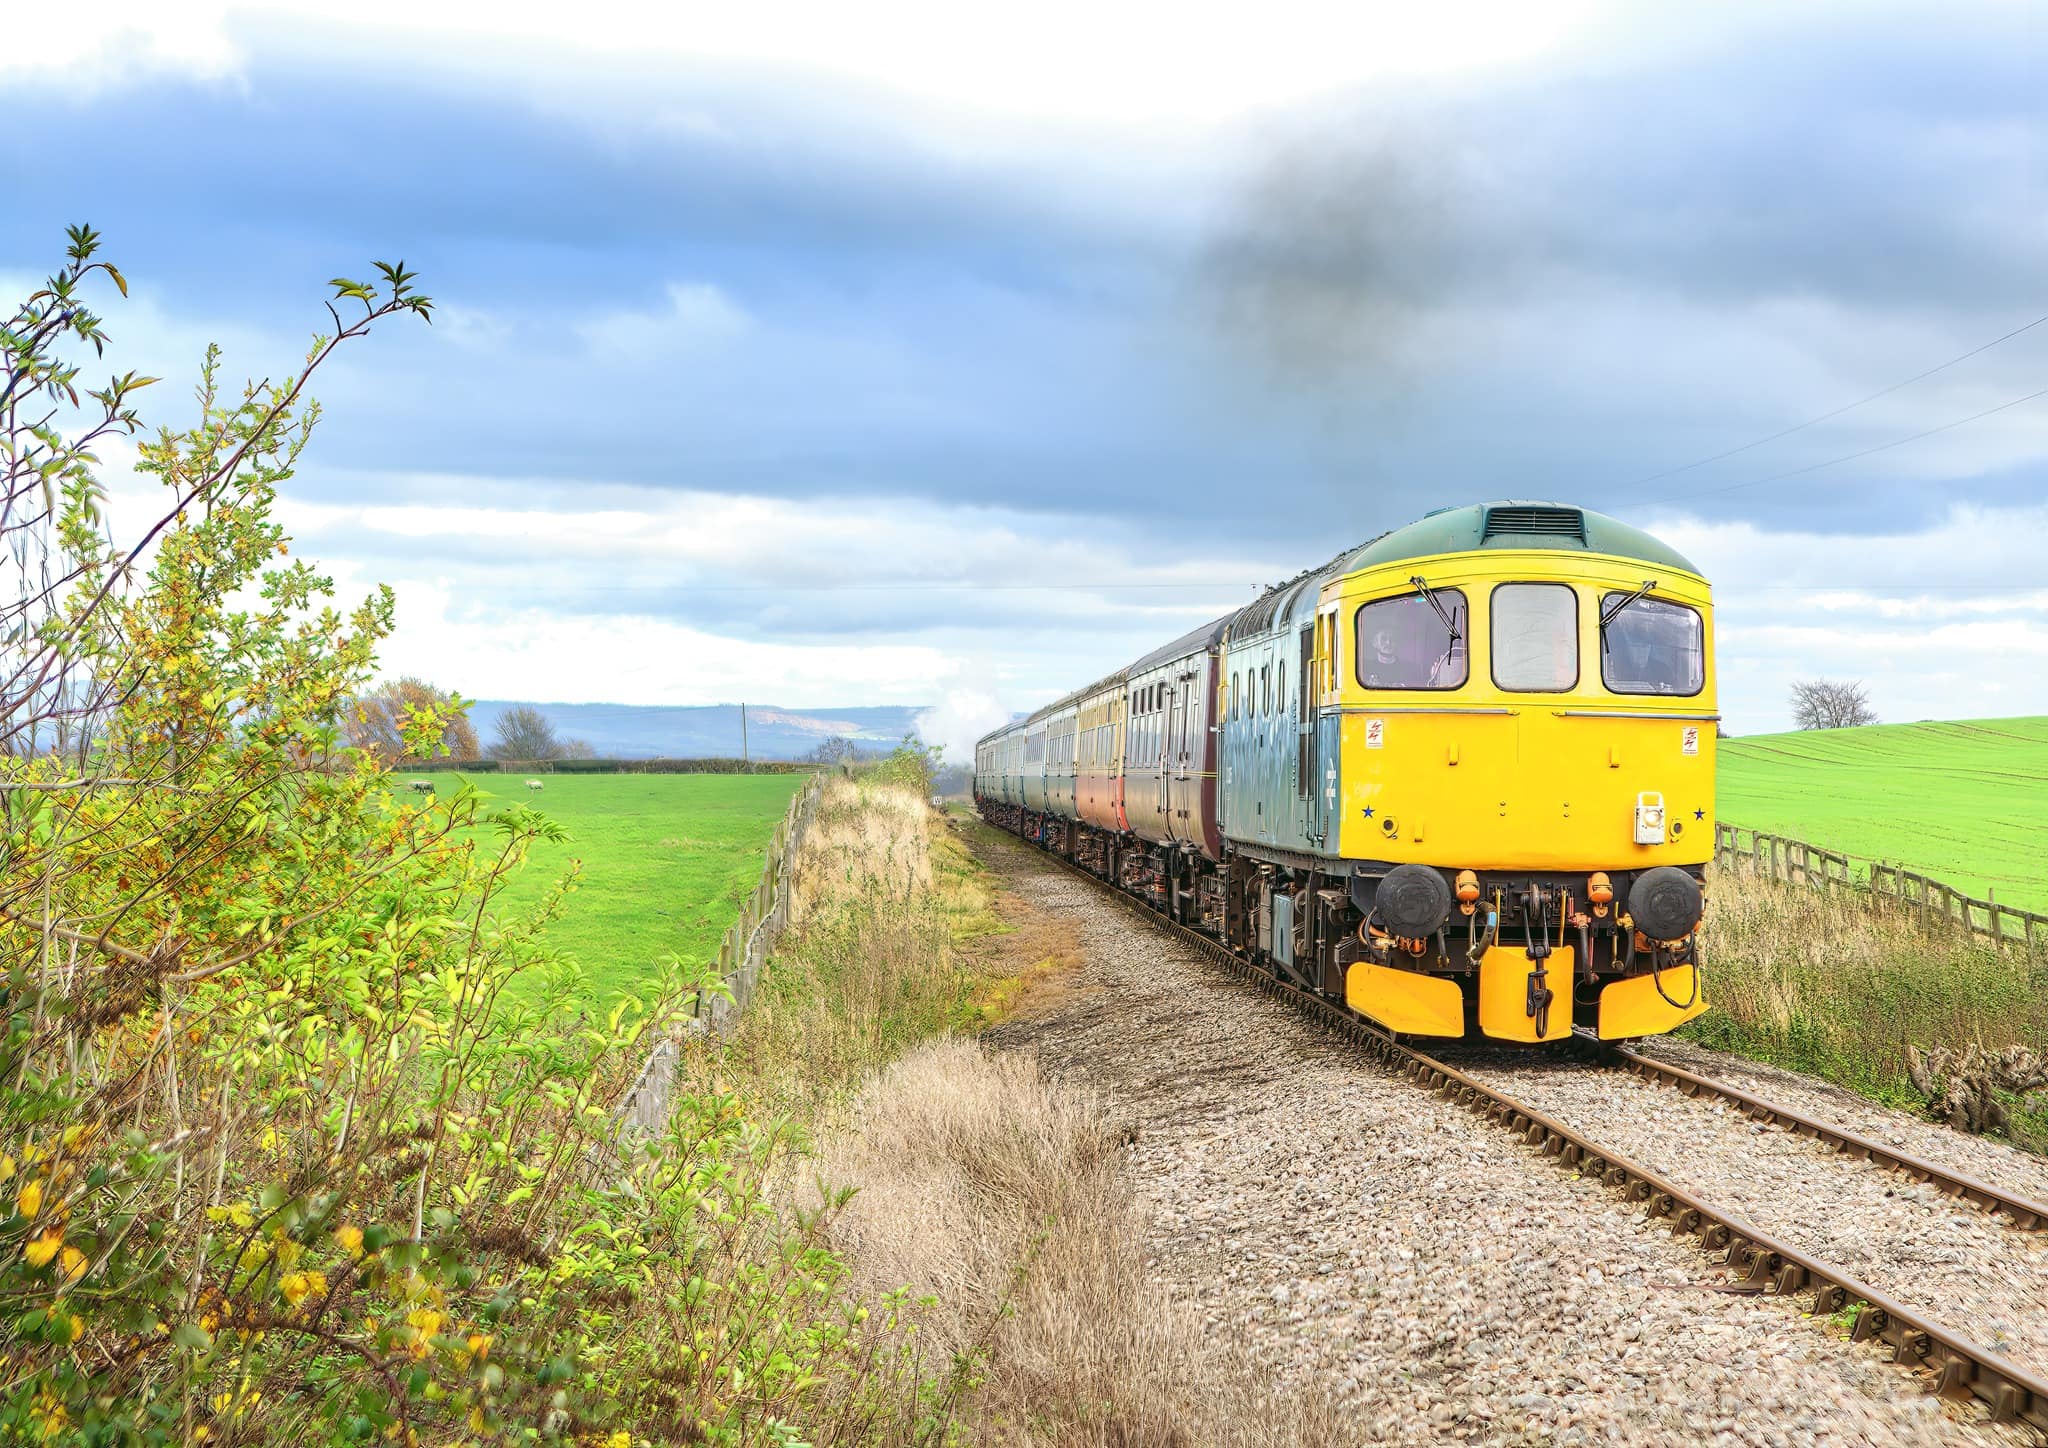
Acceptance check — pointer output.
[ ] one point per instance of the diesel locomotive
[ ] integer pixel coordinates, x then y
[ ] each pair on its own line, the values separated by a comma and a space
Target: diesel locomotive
1461, 777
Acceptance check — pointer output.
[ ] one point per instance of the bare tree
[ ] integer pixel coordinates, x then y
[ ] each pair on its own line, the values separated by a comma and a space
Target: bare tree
525, 733
1824, 704
377, 722
837, 750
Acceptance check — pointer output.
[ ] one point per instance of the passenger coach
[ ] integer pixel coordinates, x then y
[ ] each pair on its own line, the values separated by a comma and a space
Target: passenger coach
1460, 777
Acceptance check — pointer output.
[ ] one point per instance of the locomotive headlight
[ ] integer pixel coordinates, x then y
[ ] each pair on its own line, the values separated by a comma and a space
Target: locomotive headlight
1649, 818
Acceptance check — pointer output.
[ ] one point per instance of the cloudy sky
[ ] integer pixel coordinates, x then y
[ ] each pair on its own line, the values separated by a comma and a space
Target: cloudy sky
895, 353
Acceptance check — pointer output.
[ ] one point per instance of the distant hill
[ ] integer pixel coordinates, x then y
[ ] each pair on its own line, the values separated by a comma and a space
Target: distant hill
1965, 802
698, 731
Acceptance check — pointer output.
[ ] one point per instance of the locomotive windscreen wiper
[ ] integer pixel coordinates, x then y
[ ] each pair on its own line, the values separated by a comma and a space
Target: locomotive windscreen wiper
1430, 598
1609, 615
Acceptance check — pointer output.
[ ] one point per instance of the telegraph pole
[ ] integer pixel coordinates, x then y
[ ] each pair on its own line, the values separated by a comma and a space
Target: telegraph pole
746, 760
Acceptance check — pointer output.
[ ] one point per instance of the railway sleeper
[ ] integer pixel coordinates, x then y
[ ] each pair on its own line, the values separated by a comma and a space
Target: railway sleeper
1953, 1365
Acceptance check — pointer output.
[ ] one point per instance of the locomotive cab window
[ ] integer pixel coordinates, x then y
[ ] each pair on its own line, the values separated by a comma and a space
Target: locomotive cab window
1648, 646
1407, 643
1535, 637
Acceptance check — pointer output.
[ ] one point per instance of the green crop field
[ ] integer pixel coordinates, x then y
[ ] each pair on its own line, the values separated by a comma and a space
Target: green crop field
666, 860
1965, 802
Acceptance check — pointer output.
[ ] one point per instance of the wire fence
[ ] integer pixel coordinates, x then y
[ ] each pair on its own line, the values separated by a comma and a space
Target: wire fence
1892, 887
742, 957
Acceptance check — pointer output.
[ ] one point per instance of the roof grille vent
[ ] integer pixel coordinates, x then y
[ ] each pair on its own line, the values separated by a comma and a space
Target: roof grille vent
1536, 519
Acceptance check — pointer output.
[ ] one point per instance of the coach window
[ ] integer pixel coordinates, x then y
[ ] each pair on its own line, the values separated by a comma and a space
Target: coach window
1414, 641
1648, 646
1535, 638
1265, 688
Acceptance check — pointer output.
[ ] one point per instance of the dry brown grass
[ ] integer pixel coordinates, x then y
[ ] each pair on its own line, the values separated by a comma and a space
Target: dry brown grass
1005, 1197
1838, 985
868, 967
980, 1184
870, 843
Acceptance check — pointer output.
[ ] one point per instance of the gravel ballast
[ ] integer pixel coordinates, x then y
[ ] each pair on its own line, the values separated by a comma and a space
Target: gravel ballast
1961, 1267
1449, 1282
1990, 1160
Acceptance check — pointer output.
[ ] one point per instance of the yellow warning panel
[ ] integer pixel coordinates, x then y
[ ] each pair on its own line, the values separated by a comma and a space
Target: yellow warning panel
1504, 994
1633, 1007
1404, 1000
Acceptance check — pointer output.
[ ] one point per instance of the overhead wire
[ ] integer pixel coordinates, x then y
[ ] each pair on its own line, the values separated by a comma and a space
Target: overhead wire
1844, 458
1839, 411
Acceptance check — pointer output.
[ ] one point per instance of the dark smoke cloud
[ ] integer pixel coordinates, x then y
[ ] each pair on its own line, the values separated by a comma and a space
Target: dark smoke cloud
1336, 252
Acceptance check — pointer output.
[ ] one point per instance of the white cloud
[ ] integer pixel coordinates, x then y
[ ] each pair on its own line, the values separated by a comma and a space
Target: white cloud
117, 40
517, 653
1942, 623
1147, 62
694, 316
649, 597
822, 601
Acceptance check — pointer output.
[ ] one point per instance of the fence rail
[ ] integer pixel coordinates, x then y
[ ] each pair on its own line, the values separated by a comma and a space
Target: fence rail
1891, 886
742, 956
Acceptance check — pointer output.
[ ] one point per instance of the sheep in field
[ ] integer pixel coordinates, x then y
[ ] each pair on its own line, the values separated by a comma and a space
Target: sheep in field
423, 786
533, 784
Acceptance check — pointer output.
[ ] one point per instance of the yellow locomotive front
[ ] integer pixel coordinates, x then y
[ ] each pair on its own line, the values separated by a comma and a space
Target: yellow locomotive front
1521, 703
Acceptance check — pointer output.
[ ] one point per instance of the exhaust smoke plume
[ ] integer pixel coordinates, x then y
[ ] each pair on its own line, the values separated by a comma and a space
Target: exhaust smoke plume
1333, 257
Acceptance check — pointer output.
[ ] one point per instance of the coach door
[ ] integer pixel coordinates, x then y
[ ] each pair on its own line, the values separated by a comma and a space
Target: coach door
1305, 733
1176, 756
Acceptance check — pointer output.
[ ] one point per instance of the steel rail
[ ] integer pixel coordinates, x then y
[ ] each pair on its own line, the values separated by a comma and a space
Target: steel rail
1956, 1366
2022, 1212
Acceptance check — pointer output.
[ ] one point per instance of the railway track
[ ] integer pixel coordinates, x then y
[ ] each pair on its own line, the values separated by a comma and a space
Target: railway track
1950, 1363
2022, 1212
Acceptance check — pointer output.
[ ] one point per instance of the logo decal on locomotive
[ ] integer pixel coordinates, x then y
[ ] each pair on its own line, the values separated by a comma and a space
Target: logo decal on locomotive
1691, 742
1375, 733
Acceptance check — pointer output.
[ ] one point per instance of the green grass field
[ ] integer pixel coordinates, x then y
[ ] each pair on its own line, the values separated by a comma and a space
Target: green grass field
666, 860
1965, 802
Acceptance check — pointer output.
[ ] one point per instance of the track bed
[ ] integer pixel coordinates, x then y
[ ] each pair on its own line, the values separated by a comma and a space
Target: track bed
1390, 1242
1962, 1266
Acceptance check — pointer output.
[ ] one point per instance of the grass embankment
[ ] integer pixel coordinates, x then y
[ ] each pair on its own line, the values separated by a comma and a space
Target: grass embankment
994, 1194
1960, 801
886, 906
665, 860
1832, 984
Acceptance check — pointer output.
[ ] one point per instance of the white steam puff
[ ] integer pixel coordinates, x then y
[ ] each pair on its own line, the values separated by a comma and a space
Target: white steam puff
958, 720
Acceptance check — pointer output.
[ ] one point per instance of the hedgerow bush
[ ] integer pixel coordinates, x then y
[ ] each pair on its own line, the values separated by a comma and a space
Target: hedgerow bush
281, 1159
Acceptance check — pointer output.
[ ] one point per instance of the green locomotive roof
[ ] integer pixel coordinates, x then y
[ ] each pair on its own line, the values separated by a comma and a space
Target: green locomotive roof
1516, 524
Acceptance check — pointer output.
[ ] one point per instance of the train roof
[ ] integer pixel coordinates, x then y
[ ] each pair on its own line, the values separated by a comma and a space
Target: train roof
1506, 523
1194, 641
1516, 523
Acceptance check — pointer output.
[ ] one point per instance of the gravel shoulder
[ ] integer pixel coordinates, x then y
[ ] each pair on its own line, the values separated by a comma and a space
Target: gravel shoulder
1965, 1269
1446, 1282
1990, 1160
